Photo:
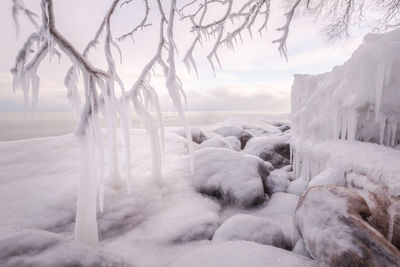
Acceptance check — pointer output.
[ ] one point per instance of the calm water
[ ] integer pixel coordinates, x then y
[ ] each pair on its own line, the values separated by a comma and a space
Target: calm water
15, 126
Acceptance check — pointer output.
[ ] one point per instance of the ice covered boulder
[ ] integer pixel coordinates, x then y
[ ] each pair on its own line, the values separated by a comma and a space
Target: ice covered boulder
230, 176
378, 200
328, 176
277, 181
237, 132
250, 228
25, 248
331, 220
234, 142
280, 209
197, 134
394, 224
297, 187
215, 141
240, 254
300, 248
274, 149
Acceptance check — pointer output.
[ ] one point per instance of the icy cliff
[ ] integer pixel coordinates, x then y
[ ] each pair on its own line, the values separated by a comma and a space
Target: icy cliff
357, 101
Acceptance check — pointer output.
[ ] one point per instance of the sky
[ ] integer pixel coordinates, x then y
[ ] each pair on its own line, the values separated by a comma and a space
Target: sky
253, 77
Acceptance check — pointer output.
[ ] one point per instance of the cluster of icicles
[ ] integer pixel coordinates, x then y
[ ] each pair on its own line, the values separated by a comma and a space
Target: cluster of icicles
99, 98
359, 100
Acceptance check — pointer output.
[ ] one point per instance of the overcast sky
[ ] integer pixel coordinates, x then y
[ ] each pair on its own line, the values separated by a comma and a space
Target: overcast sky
254, 77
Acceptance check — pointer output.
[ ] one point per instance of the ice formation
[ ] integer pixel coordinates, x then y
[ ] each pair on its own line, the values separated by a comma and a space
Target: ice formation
358, 100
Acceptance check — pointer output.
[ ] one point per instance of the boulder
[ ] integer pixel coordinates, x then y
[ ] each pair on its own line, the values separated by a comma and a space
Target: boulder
230, 176
240, 254
234, 142
197, 134
237, 132
280, 209
25, 248
274, 149
216, 141
277, 181
332, 222
250, 228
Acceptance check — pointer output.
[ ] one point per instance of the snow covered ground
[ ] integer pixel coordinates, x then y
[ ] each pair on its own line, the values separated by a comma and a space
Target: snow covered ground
150, 226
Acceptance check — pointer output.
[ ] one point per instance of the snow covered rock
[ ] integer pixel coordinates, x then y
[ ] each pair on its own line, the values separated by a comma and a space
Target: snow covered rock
297, 187
240, 254
40, 248
394, 224
328, 176
250, 228
230, 176
377, 197
237, 132
274, 149
216, 141
331, 220
280, 209
300, 248
277, 181
197, 134
234, 142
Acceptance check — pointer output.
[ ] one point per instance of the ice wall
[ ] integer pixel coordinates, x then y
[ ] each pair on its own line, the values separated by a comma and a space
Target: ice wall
359, 100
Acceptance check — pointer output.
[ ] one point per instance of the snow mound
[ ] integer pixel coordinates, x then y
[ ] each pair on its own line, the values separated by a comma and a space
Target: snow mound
197, 134
280, 209
216, 141
231, 176
234, 142
237, 132
250, 228
242, 253
40, 248
274, 149
277, 181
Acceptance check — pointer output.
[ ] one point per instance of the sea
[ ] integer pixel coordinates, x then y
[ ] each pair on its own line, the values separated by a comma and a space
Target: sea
18, 125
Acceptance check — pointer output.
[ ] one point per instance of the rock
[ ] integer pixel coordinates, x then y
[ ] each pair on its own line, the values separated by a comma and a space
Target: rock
234, 142
394, 224
277, 181
280, 209
239, 133
328, 176
377, 197
331, 220
274, 149
240, 254
230, 176
300, 248
216, 141
250, 228
197, 134
297, 187
41, 248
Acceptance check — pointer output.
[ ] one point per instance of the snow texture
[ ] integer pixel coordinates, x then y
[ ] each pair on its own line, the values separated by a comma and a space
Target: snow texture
241, 134
230, 176
25, 248
274, 149
242, 253
250, 228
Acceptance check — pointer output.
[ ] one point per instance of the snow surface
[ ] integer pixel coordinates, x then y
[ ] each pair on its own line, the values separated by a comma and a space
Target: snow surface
150, 225
250, 228
242, 253
232, 176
